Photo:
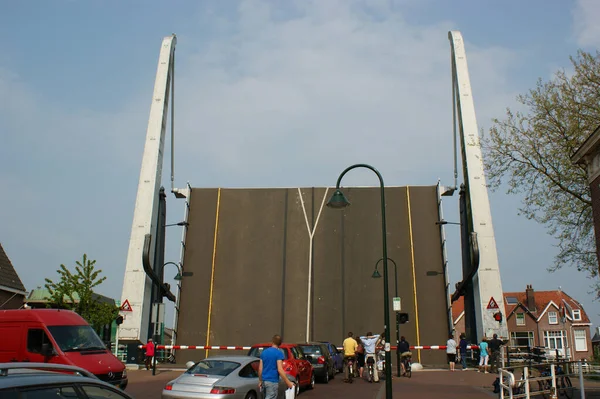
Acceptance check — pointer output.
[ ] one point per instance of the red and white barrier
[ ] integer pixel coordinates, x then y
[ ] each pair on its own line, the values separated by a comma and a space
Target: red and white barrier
241, 348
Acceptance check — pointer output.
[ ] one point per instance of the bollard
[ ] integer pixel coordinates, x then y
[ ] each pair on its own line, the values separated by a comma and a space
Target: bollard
581, 388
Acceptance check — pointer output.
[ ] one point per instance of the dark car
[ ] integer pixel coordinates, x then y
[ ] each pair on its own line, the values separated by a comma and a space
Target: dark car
46, 380
337, 355
320, 358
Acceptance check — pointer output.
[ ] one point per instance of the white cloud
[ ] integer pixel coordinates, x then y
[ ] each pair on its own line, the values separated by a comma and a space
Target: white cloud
329, 86
585, 23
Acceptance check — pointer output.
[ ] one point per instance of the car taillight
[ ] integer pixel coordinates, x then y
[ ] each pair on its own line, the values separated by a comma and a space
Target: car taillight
222, 390
169, 387
321, 360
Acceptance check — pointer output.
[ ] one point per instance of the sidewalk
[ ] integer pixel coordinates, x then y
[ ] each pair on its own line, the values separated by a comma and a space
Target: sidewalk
447, 384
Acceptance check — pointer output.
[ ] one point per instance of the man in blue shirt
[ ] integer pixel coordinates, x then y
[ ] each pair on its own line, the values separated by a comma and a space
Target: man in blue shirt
270, 369
369, 342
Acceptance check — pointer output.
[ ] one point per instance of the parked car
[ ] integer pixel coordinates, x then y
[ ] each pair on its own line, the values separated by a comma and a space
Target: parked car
57, 336
320, 358
337, 355
234, 377
295, 363
46, 380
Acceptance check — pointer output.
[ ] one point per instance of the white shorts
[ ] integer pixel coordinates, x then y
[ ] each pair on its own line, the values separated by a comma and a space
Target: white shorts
483, 360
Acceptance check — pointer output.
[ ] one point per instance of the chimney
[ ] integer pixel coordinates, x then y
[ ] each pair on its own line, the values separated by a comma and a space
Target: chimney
530, 298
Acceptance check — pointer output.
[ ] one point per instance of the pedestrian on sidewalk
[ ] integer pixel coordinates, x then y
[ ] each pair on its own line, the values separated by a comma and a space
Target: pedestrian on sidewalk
463, 351
451, 351
484, 356
270, 369
149, 353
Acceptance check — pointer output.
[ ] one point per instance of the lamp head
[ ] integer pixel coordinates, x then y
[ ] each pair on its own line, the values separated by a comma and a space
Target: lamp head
376, 274
177, 277
338, 200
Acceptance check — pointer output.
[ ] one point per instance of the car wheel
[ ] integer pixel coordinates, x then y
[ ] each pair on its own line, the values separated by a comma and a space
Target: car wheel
251, 395
312, 381
326, 377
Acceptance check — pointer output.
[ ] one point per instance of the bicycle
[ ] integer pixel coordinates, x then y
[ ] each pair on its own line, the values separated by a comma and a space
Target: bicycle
350, 368
370, 368
564, 387
407, 363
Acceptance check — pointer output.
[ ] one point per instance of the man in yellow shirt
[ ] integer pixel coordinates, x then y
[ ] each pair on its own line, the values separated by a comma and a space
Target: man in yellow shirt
350, 346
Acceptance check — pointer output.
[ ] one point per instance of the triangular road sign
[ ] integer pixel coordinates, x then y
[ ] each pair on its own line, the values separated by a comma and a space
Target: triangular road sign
126, 307
491, 304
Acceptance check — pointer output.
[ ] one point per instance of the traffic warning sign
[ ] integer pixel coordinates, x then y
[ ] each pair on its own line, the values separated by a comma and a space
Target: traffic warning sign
492, 304
126, 307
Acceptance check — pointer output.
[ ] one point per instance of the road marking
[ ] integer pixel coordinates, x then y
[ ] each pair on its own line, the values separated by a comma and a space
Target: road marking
412, 259
212, 275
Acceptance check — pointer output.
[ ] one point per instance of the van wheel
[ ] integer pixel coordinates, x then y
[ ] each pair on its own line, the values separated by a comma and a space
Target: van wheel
251, 395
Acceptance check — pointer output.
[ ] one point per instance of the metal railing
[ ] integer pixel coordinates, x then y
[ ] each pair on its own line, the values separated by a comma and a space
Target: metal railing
549, 380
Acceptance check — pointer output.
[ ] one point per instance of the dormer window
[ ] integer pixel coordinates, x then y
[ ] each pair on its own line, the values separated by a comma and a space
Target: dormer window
552, 317
576, 314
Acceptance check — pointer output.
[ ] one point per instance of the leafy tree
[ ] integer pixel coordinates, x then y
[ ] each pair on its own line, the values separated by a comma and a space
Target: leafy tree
530, 151
75, 291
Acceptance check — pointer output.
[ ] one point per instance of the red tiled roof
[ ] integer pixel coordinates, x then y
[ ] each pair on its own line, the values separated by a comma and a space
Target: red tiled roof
543, 298
457, 308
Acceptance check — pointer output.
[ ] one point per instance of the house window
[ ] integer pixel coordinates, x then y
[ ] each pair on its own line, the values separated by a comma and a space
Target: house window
511, 300
580, 340
554, 340
576, 314
522, 339
552, 317
520, 319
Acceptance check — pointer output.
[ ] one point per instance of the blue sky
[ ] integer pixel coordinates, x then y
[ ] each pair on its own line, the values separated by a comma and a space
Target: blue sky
260, 84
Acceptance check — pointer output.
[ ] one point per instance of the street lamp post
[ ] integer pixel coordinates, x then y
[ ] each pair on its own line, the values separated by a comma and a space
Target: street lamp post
338, 201
376, 274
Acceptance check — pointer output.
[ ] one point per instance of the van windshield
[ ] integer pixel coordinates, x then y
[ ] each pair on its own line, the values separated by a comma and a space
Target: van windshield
76, 338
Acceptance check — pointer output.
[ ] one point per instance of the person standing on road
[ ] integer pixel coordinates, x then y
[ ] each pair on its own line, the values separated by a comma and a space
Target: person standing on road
360, 356
149, 353
270, 369
350, 346
494, 349
369, 342
463, 351
483, 356
451, 351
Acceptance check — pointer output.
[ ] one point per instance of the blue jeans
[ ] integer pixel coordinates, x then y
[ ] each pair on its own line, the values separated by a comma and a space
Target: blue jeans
271, 389
463, 360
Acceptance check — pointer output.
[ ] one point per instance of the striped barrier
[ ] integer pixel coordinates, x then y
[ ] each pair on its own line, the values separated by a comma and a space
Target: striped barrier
241, 348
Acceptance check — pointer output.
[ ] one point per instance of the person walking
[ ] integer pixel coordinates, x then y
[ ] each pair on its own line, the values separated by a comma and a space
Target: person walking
270, 369
463, 351
451, 351
149, 353
350, 346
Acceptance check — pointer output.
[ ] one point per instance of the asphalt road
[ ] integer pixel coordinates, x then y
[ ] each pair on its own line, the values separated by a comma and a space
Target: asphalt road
423, 384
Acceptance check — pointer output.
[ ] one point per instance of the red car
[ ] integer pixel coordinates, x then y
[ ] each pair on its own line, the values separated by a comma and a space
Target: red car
295, 363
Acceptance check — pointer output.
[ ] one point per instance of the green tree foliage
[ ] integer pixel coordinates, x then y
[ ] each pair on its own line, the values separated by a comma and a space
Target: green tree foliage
530, 152
75, 291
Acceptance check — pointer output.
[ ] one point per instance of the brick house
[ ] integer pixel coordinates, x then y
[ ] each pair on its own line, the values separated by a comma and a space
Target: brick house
551, 319
12, 290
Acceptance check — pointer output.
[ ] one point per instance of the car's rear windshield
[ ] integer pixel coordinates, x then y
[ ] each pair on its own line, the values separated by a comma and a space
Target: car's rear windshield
258, 350
214, 367
311, 349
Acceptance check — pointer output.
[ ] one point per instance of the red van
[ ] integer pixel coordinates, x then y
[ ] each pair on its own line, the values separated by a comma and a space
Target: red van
57, 336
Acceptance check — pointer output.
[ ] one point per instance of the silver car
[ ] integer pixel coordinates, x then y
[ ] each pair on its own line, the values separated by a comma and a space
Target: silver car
231, 377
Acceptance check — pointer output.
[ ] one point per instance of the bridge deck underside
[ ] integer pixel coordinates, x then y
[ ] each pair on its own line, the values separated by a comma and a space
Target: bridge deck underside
252, 280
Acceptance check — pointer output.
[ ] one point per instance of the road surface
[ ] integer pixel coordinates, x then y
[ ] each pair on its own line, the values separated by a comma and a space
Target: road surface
423, 384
